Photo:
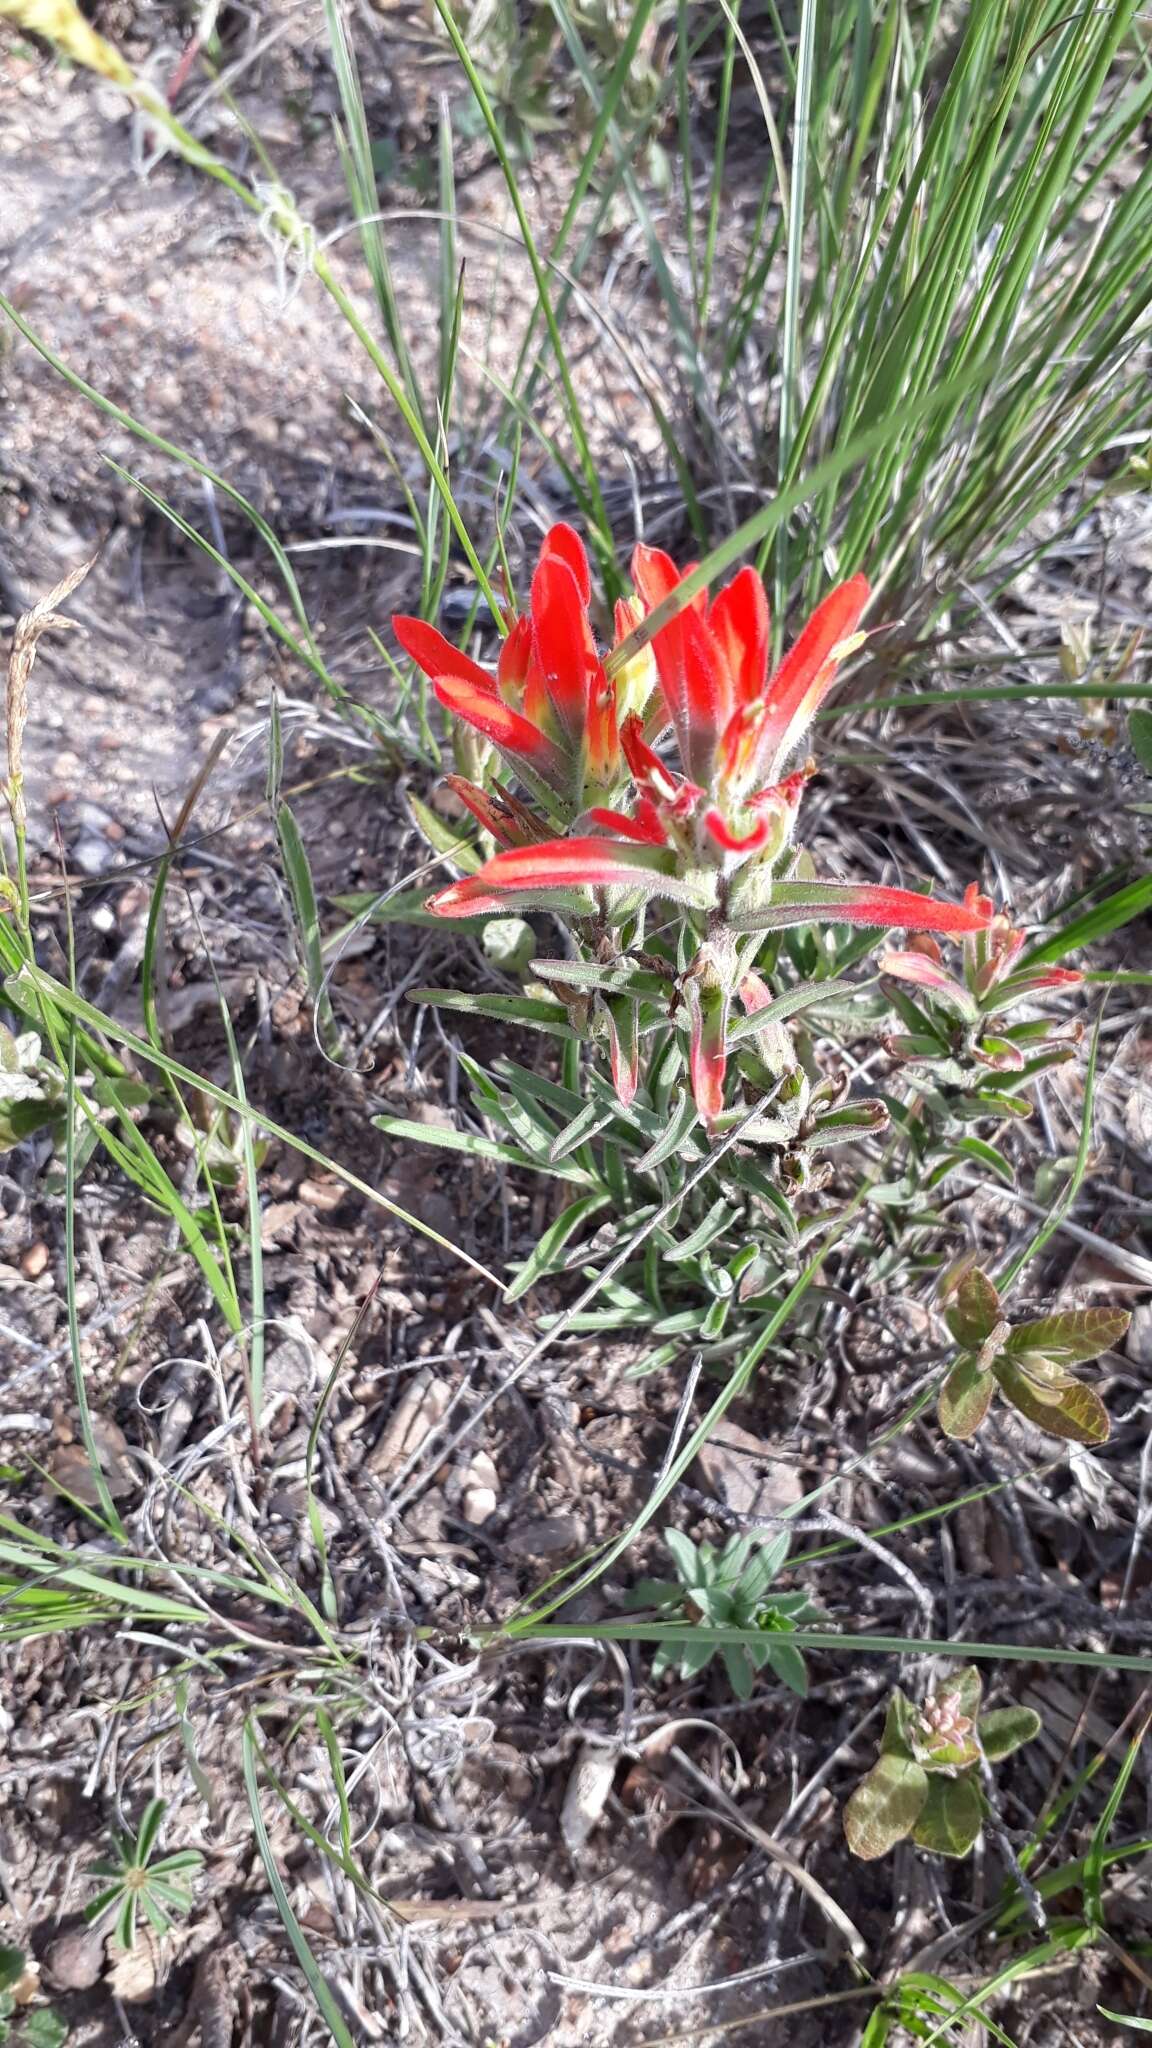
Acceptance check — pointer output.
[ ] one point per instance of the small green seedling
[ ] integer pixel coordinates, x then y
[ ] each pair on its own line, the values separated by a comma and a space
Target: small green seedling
32, 1092
24, 2027
927, 1782
134, 1882
728, 1588
1027, 1362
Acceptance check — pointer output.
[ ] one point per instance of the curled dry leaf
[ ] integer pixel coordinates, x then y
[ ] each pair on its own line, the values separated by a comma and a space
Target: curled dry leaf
586, 1794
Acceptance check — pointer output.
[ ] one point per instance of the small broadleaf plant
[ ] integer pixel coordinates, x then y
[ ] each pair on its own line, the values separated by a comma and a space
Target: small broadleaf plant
21, 2025
927, 1781
135, 1881
728, 1588
1027, 1363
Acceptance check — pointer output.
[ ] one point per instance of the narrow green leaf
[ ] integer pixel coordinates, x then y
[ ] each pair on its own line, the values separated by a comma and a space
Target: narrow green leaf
552, 1243
529, 1012
810, 995
149, 1828
682, 1121
447, 1140
982, 1154
1094, 1861
1140, 736
1105, 918
443, 836
317, 1984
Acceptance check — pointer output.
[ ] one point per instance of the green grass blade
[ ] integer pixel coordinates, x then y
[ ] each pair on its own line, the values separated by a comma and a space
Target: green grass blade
325, 2002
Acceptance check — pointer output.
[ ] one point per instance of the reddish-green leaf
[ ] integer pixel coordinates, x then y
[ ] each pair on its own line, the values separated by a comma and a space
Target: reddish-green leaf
974, 1310
965, 1398
1069, 1410
1071, 1337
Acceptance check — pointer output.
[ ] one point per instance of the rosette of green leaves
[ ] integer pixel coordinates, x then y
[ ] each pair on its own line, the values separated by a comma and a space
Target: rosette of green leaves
1027, 1363
728, 1588
927, 1781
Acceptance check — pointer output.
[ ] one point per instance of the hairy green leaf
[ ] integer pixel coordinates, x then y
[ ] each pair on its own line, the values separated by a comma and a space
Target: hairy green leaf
951, 1817
885, 1807
1006, 1729
974, 1310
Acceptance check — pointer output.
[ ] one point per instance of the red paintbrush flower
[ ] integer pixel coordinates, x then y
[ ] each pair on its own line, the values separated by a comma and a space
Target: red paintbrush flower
550, 708
734, 725
709, 836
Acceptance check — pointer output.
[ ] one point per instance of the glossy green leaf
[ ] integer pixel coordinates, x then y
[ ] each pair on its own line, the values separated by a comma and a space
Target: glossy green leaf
885, 1807
952, 1816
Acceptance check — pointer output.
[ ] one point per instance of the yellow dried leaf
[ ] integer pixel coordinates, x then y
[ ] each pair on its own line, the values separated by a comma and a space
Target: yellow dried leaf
61, 22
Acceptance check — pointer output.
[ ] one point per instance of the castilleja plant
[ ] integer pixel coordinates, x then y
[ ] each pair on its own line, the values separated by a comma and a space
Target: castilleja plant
609, 829
645, 795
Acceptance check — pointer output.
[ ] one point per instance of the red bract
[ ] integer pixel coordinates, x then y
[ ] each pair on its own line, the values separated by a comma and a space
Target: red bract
734, 725
550, 708
709, 835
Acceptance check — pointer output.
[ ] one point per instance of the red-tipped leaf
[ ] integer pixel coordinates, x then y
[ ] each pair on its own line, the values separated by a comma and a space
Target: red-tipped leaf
564, 645
437, 656
741, 627
808, 672
503, 815
796, 903
536, 873
488, 714
563, 542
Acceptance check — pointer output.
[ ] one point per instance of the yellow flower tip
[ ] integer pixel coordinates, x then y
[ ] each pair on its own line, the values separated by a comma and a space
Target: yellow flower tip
61, 22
